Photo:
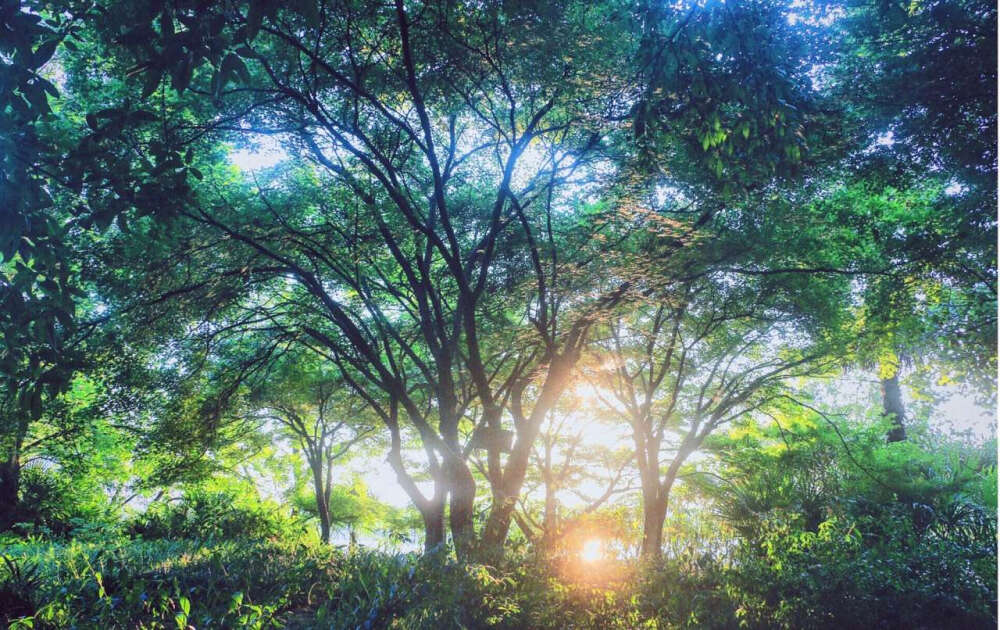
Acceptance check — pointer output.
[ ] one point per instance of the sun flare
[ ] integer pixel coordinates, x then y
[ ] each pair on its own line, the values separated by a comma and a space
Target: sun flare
587, 392
593, 550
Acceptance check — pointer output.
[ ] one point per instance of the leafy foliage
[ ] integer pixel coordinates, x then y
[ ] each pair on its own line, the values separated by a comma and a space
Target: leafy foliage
203, 514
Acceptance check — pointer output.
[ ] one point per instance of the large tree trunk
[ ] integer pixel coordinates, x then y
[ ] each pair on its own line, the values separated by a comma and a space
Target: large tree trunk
654, 514
892, 404
656, 494
654, 500
432, 509
10, 485
433, 516
461, 506
505, 499
461, 486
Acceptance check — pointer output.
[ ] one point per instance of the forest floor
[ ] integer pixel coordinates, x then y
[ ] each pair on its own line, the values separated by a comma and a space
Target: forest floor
295, 584
298, 583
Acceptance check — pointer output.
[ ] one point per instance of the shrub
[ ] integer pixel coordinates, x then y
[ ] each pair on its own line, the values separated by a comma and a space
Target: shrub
211, 515
51, 504
841, 576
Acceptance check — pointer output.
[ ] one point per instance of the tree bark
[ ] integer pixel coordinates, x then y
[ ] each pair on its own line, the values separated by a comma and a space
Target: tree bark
654, 500
324, 526
654, 514
10, 484
322, 504
433, 516
461, 506
505, 498
656, 492
892, 404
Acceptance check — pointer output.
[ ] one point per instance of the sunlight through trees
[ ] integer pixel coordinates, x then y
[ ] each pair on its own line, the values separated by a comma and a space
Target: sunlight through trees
426, 313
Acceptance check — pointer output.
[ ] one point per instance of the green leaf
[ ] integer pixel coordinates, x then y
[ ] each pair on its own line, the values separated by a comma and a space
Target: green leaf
36, 96
151, 82
48, 87
43, 53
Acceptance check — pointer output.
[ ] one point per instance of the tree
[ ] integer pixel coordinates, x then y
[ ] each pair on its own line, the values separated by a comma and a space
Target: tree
407, 321
458, 175
321, 416
444, 146
816, 496
47, 162
719, 348
437, 263
568, 464
922, 77
36, 302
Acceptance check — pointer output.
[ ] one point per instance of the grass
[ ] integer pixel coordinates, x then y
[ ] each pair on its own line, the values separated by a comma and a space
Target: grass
164, 583
298, 583
295, 584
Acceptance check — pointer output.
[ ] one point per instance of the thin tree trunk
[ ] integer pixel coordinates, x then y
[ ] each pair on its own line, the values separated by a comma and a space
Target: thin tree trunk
892, 404
433, 516
549, 525
322, 505
502, 511
324, 527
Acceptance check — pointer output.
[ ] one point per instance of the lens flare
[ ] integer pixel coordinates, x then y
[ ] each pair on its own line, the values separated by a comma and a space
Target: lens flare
593, 550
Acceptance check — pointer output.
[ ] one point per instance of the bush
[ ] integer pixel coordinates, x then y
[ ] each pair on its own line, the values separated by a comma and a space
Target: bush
211, 515
841, 577
293, 584
520, 591
50, 504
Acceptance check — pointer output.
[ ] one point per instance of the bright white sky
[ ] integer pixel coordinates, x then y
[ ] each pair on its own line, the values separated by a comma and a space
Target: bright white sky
266, 154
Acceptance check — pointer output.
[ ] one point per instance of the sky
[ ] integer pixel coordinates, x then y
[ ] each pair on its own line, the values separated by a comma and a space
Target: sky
266, 154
